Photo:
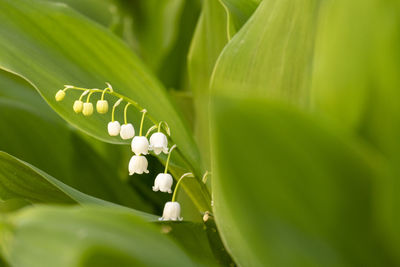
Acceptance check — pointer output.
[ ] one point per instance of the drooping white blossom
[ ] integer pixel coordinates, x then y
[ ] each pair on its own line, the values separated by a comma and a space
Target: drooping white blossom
172, 212
138, 164
113, 128
140, 145
102, 106
78, 106
87, 109
163, 182
127, 131
158, 143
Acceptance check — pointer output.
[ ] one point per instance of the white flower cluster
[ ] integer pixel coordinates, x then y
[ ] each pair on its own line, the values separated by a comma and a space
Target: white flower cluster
140, 145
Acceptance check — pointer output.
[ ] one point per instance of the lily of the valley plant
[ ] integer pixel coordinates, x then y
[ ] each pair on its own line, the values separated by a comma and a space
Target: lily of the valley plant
228, 133
140, 145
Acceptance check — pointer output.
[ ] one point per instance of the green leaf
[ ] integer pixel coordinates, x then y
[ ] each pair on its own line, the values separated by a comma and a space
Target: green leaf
155, 28
159, 31
239, 11
59, 47
104, 12
208, 41
18, 90
63, 154
193, 238
356, 86
20, 180
289, 191
271, 55
11, 205
85, 236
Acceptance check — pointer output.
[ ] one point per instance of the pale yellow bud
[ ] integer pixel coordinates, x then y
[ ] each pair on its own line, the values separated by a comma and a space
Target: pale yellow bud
60, 95
87, 109
78, 106
102, 106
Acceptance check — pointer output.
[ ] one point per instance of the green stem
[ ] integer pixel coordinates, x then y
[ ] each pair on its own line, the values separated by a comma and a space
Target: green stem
141, 122
125, 109
104, 91
89, 95
151, 129
169, 156
83, 94
166, 127
114, 107
189, 174
127, 99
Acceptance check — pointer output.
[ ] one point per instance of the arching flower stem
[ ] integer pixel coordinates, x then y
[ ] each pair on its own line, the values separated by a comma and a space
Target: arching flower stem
104, 92
125, 110
89, 95
113, 93
83, 94
188, 174
169, 156
141, 122
113, 109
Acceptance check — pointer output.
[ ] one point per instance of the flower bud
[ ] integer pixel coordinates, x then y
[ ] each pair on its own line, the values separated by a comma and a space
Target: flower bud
138, 164
87, 109
172, 212
140, 145
102, 106
158, 143
163, 182
113, 128
60, 95
78, 106
127, 131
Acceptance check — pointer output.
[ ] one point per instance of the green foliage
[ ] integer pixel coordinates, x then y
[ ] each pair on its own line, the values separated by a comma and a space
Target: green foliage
315, 188
286, 112
66, 57
86, 236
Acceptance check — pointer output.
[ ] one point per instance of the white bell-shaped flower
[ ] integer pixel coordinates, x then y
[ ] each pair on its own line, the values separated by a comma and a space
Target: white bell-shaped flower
102, 106
172, 212
140, 145
159, 143
163, 182
138, 164
113, 128
78, 106
87, 109
60, 95
127, 131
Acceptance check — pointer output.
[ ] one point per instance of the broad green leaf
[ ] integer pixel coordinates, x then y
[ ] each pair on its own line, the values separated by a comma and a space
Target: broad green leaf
356, 85
58, 150
14, 88
173, 71
193, 238
290, 191
20, 180
208, 41
11, 205
159, 31
59, 47
85, 236
155, 28
104, 12
271, 55
238, 11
